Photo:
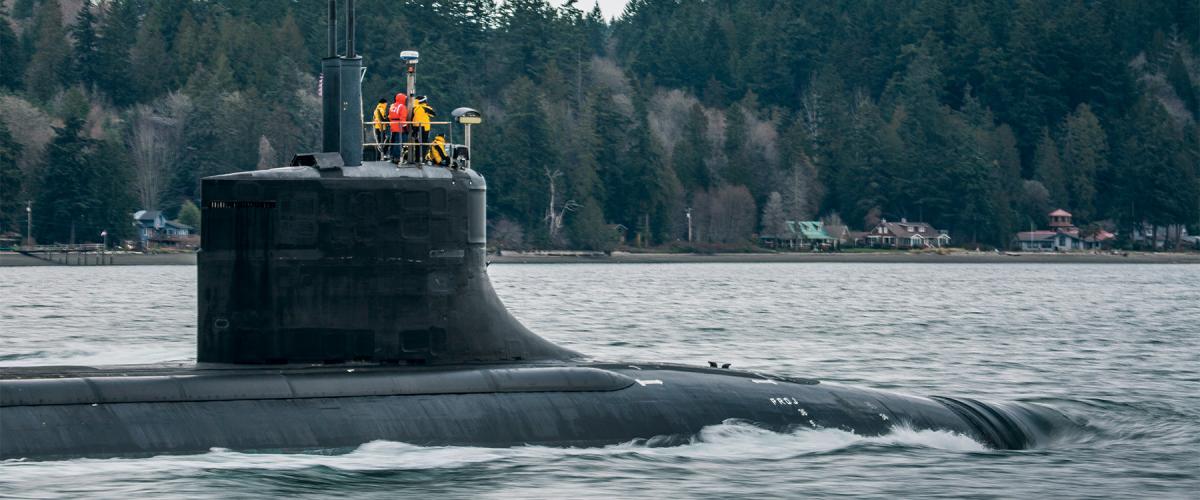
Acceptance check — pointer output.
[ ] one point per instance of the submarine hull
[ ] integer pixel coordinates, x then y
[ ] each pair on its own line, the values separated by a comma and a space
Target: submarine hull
147, 411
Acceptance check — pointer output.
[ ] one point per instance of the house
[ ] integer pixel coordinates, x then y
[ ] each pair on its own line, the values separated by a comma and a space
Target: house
153, 227
799, 234
1049, 241
1162, 236
148, 223
1062, 236
172, 228
1100, 239
905, 234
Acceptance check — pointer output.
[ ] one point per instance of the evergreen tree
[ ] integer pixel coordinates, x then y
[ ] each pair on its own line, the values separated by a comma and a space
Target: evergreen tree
11, 182
87, 63
690, 158
862, 181
114, 200
1084, 153
64, 198
1161, 181
654, 196
50, 68
12, 61
22, 9
117, 36
524, 159
148, 58
188, 50
1048, 170
1181, 82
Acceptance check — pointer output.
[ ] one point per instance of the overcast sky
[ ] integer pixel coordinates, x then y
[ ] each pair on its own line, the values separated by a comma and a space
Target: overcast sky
611, 8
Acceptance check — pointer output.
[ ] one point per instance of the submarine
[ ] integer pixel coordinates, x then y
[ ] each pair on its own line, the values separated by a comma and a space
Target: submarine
345, 299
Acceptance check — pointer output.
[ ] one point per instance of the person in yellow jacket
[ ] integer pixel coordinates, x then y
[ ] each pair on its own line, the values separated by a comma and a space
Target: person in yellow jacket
421, 114
380, 119
437, 151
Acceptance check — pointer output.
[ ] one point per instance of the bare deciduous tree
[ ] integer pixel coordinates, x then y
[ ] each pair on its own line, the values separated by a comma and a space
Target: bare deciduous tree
31, 128
801, 190
507, 234
773, 218
812, 109
724, 215
154, 144
668, 111
267, 159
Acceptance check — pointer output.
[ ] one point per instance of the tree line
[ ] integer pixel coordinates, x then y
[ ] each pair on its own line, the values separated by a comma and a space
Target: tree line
723, 116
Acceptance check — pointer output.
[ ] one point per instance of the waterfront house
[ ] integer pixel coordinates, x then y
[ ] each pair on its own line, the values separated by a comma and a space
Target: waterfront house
153, 228
805, 234
172, 228
1163, 237
905, 234
1062, 236
1049, 241
148, 223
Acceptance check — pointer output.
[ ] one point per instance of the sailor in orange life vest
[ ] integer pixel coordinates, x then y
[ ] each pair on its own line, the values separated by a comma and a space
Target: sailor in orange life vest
398, 116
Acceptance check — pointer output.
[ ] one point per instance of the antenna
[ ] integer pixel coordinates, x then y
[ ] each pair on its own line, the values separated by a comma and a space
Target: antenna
350, 29
332, 29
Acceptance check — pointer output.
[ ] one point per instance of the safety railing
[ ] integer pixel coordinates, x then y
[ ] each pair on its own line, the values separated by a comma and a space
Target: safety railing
82, 247
410, 150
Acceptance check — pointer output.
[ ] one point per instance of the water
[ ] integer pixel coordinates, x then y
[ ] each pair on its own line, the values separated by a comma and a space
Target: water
1116, 347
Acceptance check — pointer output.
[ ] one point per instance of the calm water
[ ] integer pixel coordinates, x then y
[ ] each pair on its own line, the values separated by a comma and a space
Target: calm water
1117, 347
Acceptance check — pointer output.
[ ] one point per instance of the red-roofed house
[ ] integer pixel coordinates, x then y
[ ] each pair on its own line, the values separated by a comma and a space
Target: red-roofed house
1047, 241
1062, 236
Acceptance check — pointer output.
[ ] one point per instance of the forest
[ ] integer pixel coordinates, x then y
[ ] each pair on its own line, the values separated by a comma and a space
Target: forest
977, 116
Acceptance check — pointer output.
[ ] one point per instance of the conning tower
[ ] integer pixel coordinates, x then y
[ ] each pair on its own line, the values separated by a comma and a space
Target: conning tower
338, 260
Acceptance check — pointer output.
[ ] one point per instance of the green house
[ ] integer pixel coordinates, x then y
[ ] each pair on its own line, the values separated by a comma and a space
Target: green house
804, 234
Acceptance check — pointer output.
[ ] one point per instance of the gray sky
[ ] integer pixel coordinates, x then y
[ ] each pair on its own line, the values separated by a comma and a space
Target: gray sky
611, 8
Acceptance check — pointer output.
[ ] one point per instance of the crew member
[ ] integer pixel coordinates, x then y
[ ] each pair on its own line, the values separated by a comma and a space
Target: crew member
380, 117
437, 151
422, 112
398, 116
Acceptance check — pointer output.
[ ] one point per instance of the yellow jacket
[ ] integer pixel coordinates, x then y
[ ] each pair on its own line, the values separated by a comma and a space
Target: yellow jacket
421, 114
381, 116
437, 151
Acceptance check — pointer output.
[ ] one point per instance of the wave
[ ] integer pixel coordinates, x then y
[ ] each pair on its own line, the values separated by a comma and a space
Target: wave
732, 441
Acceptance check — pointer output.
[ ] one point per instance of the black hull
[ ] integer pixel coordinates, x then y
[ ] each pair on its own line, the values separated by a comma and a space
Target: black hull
146, 411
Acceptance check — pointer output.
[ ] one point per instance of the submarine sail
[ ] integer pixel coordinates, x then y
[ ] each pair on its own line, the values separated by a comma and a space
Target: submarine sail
343, 300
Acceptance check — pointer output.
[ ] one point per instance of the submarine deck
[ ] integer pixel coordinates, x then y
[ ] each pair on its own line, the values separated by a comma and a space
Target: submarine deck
66, 385
368, 170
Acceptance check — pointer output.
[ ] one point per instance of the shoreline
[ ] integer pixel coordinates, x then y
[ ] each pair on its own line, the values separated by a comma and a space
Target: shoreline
855, 257
12, 259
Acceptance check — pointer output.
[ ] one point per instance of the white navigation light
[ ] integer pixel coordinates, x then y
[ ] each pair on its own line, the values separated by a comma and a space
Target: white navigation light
467, 116
409, 56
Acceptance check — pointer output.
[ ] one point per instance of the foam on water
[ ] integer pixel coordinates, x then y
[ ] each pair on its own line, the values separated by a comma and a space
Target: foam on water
728, 442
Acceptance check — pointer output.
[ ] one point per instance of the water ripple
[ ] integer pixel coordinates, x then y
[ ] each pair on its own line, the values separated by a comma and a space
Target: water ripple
1114, 347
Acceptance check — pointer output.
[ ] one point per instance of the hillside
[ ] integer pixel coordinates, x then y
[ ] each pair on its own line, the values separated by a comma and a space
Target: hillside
976, 116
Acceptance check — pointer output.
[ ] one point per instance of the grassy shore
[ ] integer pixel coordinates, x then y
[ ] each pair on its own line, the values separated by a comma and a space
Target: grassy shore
8, 259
